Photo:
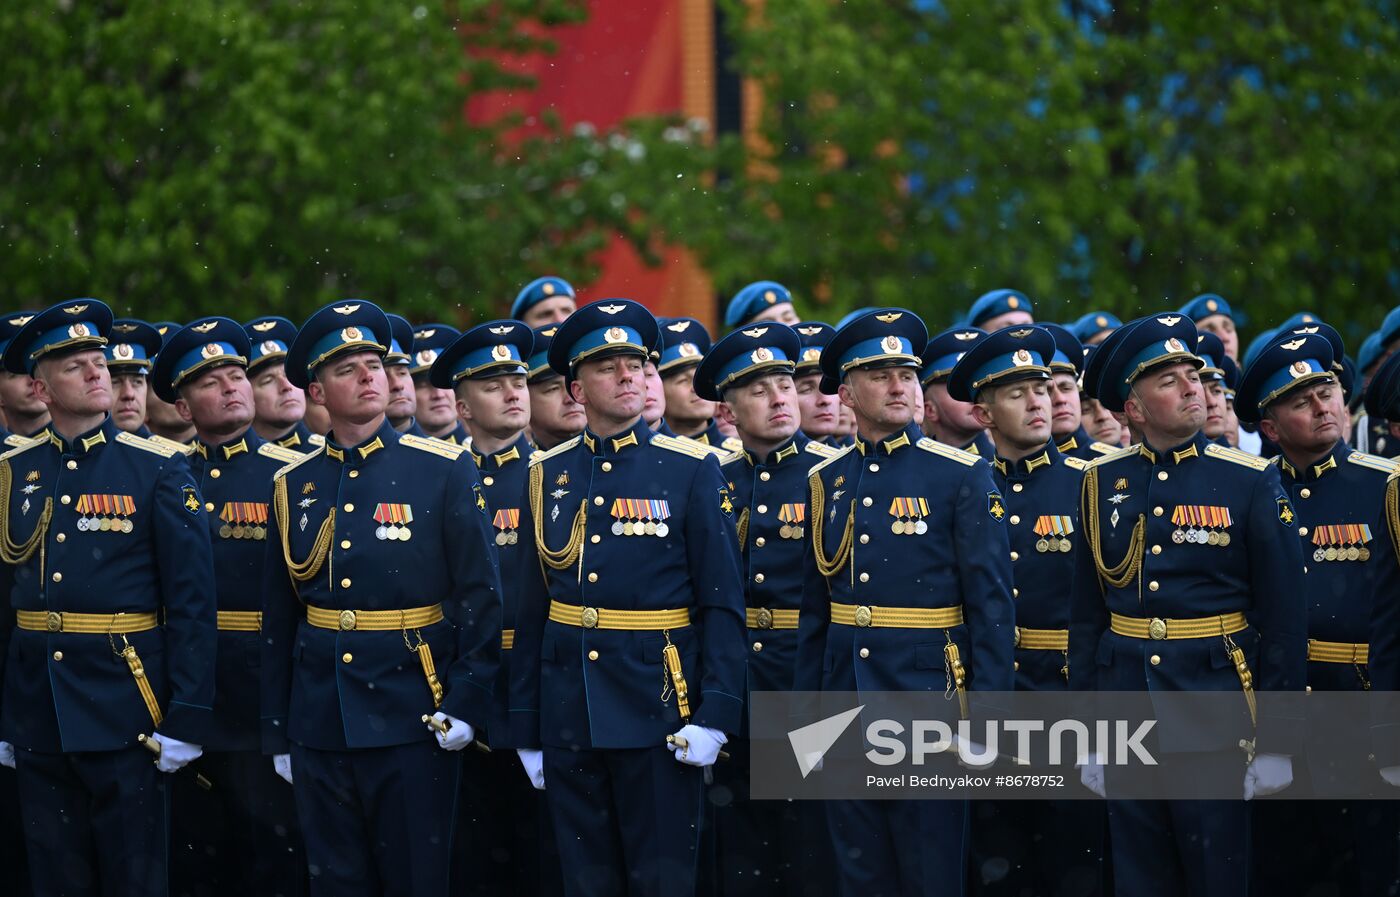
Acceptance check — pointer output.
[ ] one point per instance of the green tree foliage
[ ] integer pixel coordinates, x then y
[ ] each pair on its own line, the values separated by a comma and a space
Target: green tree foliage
246, 157
1119, 156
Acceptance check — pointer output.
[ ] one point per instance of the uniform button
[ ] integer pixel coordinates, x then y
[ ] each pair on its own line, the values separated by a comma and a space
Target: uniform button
209, 506
598, 500
865, 577
72, 465
874, 468
1305, 493
1153, 585
758, 646
759, 542
1015, 555
607, 466
864, 538
345, 583
1015, 592
867, 502
1302, 530
1157, 511
1155, 659
488, 481
763, 509
349, 508
1017, 487
1156, 549
215, 473
1015, 519
765, 476
347, 657
1307, 689
864, 652
1161, 474
61, 537
58, 655
63, 499
758, 577
593, 577
596, 539
592, 655
58, 577
344, 543
354, 474
1015, 666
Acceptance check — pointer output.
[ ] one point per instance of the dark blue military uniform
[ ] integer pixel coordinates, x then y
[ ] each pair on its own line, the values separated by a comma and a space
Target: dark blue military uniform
1051, 846
635, 534
1175, 539
381, 605
684, 344
107, 563
268, 339
1301, 845
505, 844
886, 515
937, 359
429, 340
1068, 358
239, 836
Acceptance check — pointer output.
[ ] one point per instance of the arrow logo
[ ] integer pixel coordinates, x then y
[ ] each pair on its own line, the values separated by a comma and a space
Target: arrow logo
810, 743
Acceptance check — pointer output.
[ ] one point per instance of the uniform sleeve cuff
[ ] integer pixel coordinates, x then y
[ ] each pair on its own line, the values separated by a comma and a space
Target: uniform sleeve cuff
186, 722
721, 711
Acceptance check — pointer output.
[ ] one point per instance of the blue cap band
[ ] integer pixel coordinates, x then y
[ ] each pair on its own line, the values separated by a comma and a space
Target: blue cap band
764, 358
887, 348
1302, 371
205, 356
615, 338
343, 340
1022, 361
1156, 353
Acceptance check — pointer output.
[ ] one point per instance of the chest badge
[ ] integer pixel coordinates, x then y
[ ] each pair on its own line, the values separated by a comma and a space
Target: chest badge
640, 517
1203, 525
792, 517
909, 514
393, 520
507, 522
243, 520
1054, 531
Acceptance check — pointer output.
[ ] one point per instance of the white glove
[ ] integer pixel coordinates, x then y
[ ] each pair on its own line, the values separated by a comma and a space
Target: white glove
1267, 774
1091, 777
282, 765
174, 754
533, 761
457, 736
7, 754
972, 755
1391, 774
702, 745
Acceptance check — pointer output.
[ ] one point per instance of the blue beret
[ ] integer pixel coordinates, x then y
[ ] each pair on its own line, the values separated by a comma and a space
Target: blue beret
942, 352
1205, 305
602, 329
998, 302
68, 326
684, 342
353, 325
429, 341
538, 290
1369, 353
132, 346
493, 349
1091, 325
764, 348
1018, 352
196, 347
1390, 327
753, 300
1286, 362
882, 337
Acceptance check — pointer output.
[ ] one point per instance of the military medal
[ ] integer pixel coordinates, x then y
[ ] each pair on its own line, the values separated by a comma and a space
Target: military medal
662, 529
1054, 531
617, 528
1318, 555
393, 520
304, 520
909, 514
225, 531
1042, 545
1363, 553
792, 516
506, 521
1353, 553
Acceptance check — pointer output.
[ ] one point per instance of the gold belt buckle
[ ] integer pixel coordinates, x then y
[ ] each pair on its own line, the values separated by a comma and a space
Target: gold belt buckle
862, 616
53, 621
589, 618
347, 620
764, 618
1016, 638
1157, 629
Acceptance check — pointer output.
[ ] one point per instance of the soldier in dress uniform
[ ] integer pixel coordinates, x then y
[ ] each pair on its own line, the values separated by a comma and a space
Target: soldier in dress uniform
130, 349
554, 415
437, 408
235, 830
762, 300
1000, 308
906, 587
162, 420
279, 407
99, 653
1211, 351
1066, 413
684, 342
501, 814
544, 300
403, 396
821, 413
635, 630
765, 847
381, 612
1213, 315
1094, 327
1291, 391
1014, 377
947, 420
25, 415
1185, 580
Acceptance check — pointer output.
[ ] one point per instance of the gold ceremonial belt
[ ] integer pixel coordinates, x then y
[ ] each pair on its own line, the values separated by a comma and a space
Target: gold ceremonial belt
374, 620
1042, 639
507, 639
240, 620
1338, 652
766, 618
632, 620
1158, 629
92, 624
897, 617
